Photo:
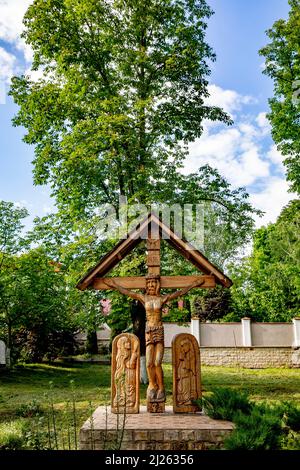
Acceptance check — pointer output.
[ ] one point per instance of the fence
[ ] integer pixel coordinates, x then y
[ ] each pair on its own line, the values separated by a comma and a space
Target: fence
245, 344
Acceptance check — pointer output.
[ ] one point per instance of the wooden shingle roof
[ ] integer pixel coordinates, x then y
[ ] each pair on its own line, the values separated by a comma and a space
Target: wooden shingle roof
140, 233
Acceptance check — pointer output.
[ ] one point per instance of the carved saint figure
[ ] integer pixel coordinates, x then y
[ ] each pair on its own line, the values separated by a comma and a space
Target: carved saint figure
153, 303
186, 373
125, 374
186, 380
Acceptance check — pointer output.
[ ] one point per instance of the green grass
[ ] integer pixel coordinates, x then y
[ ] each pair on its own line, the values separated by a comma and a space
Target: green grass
30, 382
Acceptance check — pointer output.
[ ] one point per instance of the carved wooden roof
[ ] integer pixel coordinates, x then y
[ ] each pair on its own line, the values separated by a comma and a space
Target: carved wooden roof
140, 233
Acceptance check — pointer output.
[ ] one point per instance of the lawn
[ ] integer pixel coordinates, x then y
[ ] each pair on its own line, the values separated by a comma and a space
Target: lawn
50, 387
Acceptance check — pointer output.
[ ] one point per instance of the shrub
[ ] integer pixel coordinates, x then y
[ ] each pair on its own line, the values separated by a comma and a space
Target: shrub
28, 410
291, 415
259, 430
11, 436
36, 437
291, 441
224, 403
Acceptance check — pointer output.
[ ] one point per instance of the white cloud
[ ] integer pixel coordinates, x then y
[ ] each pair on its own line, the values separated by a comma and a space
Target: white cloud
271, 199
243, 155
276, 157
236, 152
229, 100
263, 123
11, 24
7, 65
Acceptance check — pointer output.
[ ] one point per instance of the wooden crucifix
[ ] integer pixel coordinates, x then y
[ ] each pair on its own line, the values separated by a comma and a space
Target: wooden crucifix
152, 300
153, 303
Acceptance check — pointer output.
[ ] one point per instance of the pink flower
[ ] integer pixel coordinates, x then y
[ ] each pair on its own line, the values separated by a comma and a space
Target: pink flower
106, 306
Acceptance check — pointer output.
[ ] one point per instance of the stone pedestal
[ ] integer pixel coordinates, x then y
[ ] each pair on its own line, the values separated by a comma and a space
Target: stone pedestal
145, 431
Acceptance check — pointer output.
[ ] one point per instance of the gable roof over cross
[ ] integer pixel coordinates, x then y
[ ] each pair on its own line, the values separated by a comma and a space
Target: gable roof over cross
152, 227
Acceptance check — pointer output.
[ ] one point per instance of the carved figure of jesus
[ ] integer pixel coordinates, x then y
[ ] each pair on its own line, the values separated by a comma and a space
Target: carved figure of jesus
153, 303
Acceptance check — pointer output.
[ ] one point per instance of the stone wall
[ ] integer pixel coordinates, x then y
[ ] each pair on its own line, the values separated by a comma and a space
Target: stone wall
147, 431
253, 358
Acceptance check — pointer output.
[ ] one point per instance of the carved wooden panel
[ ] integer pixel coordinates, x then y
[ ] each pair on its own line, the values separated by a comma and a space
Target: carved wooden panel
125, 374
186, 373
153, 258
153, 244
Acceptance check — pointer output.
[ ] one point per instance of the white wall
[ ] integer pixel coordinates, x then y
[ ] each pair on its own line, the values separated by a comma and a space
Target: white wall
228, 335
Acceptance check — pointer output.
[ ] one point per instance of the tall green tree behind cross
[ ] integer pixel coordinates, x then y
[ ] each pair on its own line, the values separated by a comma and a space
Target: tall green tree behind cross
282, 64
123, 92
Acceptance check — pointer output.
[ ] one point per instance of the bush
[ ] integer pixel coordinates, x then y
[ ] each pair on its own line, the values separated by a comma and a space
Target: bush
28, 410
224, 403
259, 430
36, 436
291, 415
11, 436
258, 426
291, 441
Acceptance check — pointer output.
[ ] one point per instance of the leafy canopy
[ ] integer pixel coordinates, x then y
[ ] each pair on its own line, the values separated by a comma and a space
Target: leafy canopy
282, 64
267, 284
123, 91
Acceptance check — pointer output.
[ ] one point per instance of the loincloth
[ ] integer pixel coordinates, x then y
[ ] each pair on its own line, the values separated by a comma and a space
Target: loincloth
154, 334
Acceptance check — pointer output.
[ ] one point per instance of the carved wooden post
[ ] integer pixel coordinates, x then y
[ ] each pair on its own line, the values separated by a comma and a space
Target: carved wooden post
153, 257
186, 373
155, 403
125, 374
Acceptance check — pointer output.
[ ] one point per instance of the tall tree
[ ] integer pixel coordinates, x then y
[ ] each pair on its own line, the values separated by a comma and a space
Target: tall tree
123, 91
267, 284
282, 64
11, 239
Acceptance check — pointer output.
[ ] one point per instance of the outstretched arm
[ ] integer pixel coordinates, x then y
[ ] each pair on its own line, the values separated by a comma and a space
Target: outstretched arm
179, 293
134, 295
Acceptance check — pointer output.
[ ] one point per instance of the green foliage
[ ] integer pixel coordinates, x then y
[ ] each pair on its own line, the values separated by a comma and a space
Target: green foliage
282, 64
11, 435
11, 240
224, 403
178, 315
291, 441
211, 304
120, 316
35, 304
290, 413
258, 426
255, 431
267, 284
124, 85
28, 410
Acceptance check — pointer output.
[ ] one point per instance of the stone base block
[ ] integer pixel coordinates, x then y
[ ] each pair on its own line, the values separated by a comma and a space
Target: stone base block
147, 431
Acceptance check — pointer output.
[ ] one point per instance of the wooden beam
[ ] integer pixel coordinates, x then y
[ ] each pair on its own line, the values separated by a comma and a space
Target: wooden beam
170, 282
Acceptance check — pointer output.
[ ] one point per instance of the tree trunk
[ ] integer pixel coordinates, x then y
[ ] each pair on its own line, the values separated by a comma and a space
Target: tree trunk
92, 343
138, 316
8, 353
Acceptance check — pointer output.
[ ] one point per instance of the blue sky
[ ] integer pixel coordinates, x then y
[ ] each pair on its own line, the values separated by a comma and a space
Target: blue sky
244, 153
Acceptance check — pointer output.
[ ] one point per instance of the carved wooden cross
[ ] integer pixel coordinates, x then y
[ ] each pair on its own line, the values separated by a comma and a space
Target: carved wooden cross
153, 229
